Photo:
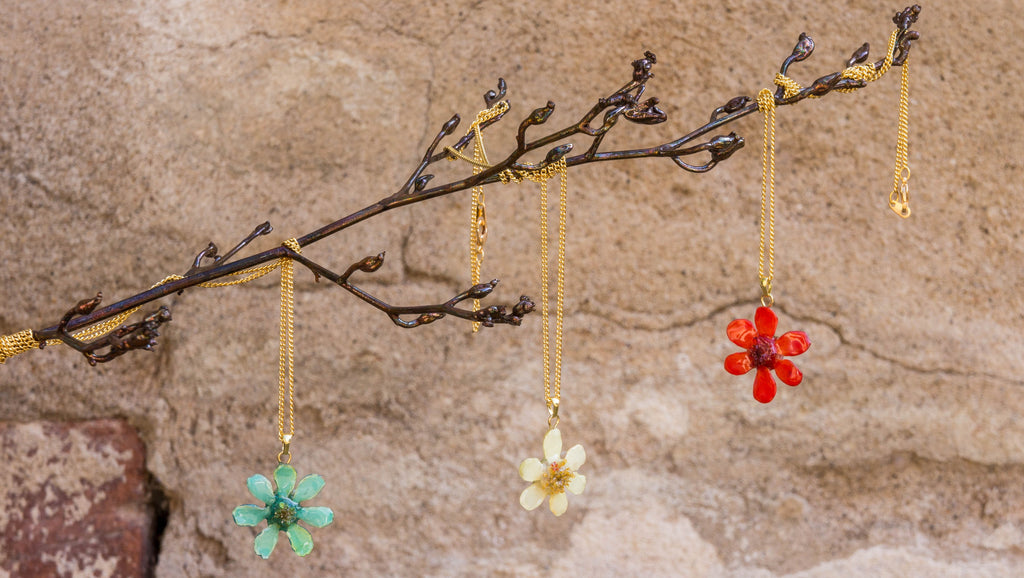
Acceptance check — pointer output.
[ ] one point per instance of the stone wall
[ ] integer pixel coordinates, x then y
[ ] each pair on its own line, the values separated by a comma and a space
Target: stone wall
131, 134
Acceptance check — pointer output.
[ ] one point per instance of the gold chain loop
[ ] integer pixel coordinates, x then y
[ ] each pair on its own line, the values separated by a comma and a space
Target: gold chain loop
552, 375
766, 103
286, 357
478, 208
899, 198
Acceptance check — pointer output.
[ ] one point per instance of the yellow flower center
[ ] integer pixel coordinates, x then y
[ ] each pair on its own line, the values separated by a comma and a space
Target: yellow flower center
556, 478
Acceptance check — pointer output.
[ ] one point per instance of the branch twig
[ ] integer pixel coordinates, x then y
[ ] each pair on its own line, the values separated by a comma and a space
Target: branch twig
624, 103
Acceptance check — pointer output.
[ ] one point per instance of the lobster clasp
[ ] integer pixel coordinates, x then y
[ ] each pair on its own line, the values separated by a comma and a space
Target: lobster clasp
899, 198
899, 201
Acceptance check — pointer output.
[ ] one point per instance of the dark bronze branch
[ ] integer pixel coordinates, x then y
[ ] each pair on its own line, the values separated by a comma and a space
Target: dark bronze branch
210, 252
602, 117
488, 316
141, 335
424, 314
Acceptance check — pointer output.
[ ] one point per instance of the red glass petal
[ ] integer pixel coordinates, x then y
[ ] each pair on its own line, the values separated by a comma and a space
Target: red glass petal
788, 373
766, 321
738, 363
793, 343
742, 333
764, 385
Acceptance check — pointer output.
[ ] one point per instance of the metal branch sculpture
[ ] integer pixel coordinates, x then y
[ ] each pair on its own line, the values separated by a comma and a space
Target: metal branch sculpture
624, 103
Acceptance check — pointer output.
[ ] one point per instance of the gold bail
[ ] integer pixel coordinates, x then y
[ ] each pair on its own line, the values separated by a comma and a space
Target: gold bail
766, 292
285, 455
553, 413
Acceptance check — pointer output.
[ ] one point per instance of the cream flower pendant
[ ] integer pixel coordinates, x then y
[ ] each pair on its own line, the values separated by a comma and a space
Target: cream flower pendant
554, 475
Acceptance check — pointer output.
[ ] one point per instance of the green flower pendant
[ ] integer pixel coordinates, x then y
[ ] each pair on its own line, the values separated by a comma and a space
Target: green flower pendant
282, 510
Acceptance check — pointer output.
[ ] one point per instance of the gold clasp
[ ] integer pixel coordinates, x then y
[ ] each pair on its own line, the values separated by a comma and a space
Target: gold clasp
481, 225
899, 198
899, 201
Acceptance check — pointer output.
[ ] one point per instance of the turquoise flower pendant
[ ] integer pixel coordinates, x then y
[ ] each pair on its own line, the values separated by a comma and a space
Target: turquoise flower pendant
282, 510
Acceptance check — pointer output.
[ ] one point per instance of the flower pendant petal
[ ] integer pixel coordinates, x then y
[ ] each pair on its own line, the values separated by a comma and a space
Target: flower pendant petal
308, 488
266, 541
532, 496
575, 457
552, 444
301, 540
249, 515
531, 469
259, 486
559, 504
316, 516
284, 477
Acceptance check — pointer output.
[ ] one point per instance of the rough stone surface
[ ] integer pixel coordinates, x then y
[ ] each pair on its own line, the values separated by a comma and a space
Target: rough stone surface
131, 134
76, 500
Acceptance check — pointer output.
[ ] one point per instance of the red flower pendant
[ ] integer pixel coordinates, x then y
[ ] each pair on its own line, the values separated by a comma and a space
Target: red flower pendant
765, 353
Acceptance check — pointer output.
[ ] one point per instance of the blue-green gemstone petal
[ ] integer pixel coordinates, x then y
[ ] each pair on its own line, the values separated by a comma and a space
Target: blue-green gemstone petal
317, 516
308, 488
266, 540
284, 476
260, 487
300, 539
249, 515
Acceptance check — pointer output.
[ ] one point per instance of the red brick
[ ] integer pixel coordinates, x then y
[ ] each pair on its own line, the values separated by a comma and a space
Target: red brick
74, 500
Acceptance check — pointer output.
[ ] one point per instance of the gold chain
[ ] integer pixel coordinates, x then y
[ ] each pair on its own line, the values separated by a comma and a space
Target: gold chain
864, 72
477, 225
478, 235
478, 209
11, 345
553, 375
899, 198
20, 342
101, 329
766, 103
286, 357
552, 366
247, 275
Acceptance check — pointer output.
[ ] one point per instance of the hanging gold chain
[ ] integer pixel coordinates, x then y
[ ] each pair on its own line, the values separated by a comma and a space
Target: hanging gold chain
899, 198
766, 261
553, 371
24, 341
478, 235
286, 357
477, 232
478, 208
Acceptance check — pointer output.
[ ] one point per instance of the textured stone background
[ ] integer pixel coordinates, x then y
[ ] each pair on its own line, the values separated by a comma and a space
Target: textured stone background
131, 134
